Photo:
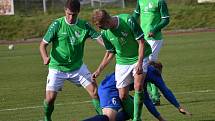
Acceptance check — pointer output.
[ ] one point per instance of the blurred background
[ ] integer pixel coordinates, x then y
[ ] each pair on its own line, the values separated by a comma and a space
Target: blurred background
31, 17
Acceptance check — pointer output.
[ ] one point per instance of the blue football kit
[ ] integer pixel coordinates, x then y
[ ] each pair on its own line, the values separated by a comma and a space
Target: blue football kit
109, 95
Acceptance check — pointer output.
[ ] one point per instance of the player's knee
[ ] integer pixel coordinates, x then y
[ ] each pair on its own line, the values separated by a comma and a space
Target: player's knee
50, 97
50, 100
138, 86
94, 92
123, 96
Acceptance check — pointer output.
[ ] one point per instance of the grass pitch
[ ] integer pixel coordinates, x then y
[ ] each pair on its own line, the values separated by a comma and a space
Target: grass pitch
189, 69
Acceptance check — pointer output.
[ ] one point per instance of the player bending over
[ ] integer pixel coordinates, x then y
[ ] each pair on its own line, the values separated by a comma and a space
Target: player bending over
111, 105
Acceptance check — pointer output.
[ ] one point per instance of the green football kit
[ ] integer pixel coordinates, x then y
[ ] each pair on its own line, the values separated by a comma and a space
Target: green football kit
68, 42
154, 16
123, 41
67, 50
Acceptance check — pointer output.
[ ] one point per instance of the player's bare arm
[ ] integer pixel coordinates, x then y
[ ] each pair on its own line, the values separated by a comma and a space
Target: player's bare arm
43, 52
106, 60
100, 41
140, 57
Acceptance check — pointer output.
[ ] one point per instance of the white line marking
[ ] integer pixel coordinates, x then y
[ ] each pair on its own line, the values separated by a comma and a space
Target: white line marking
88, 101
33, 107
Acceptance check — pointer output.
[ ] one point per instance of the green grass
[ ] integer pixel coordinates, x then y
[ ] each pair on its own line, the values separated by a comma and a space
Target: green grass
188, 67
35, 24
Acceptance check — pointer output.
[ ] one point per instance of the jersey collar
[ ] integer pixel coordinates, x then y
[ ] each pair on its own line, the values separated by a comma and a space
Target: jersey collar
69, 23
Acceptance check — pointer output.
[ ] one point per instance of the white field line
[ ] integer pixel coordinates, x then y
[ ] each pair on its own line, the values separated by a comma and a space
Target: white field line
33, 107
88, 101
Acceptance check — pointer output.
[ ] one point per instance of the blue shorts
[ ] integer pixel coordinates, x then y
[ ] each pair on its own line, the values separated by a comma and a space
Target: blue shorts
109, 99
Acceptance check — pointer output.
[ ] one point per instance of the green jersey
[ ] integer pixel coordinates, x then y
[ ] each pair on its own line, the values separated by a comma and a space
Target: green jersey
151, 14
123, 40
68, 43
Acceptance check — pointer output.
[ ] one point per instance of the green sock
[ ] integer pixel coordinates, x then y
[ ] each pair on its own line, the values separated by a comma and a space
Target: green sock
96, 104
153, 91
138, 104
128, 106
48, 109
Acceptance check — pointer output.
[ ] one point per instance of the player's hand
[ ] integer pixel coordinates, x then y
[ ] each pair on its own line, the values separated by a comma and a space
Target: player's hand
46, 61
151, 34
139, 69
95, 74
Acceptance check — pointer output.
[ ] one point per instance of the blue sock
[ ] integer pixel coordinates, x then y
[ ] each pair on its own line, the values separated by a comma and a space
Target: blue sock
150, 106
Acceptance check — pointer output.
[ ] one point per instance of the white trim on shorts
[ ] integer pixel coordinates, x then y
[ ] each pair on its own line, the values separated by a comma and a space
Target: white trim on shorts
79, 77
124, 74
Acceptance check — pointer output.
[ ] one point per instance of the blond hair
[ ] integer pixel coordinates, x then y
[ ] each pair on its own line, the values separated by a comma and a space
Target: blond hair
100, 17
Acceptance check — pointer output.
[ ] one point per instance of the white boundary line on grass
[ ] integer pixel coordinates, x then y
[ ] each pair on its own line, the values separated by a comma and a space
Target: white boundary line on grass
88, 101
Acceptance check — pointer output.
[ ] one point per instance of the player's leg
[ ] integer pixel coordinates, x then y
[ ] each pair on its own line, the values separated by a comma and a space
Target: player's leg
127, 101
153, 90
151, 107
54, 84
155, 95
138, 96
110, 113
123, 76
92, 90
139, 89
158, 81
48, 104
83, 77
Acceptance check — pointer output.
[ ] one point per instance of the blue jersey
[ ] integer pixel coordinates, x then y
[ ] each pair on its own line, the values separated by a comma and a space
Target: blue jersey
153, 74
108, 93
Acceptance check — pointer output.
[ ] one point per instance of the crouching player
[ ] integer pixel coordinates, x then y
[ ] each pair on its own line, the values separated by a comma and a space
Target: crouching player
110, 102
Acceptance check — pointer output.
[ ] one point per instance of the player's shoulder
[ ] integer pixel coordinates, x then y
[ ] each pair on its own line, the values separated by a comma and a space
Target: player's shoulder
60, 20
124, 16
57, 22
83, 23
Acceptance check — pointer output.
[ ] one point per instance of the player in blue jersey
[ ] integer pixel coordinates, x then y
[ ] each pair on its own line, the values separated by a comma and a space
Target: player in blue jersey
154, 76
110, 102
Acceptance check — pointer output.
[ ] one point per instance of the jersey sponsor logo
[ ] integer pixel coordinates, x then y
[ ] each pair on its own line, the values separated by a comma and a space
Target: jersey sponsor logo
149, 6
77, 34
72, 40
125, 34
122, 41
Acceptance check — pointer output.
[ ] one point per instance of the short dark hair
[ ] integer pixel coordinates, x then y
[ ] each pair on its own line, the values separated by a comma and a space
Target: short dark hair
73, 5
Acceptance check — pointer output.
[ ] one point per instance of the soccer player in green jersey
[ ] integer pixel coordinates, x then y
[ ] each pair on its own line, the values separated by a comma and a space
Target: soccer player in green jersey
154, 17
124, 38
67, 35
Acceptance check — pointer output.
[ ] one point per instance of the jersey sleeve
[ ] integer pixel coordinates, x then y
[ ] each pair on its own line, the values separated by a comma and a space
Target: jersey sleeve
51, 32
163, 9
92, 33
164, 17
108, 45
135, 27
136, 13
